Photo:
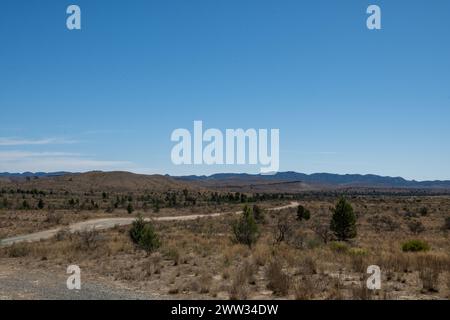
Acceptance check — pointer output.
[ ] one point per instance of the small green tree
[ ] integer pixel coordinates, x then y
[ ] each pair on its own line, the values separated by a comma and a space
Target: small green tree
343, 221
303, 213
136, 229
130, 208
25, 205
245, 230
40, 204
156, 206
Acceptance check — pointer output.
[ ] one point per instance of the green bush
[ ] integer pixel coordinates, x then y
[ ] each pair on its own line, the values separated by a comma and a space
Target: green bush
343, 221
144, 235
258, 213
130, 208
358, 252
339, 247
424, 211
149, 240
245, 230
136, 229
303, 213
415, 246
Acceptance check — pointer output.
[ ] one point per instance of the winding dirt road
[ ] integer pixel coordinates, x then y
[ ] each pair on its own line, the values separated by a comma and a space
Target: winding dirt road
108, 223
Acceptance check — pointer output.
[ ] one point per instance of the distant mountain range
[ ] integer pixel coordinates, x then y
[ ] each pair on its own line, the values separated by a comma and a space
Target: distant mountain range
33, 174
317, 179
325, 179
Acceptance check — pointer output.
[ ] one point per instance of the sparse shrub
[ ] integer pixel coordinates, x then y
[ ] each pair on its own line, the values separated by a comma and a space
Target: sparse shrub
18, 250
430, 267
283, 229
303, 213
395, 263
130, 208
304, 289
63, 234
245, 230
415, 246
416, 227
152, 265
429, 279
25, 205
323, 232
239, 288
136, 229
173, 254
249, 269
423, 211
308, 265
89, 239
261, 254
361, 292
149, 240
343, 221
447, 223
383, 223
258, 213
40, 204
358, 259
339, 247
278, 280
54, 217
358, 252
205, 283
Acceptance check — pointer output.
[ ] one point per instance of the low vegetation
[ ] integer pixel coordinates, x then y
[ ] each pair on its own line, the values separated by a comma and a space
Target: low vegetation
304, 252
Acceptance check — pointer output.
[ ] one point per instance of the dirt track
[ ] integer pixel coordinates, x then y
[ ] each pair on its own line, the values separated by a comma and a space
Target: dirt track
108, 223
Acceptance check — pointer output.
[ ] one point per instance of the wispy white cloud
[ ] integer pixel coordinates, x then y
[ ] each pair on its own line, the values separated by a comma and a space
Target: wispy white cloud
21, 161
20, 155
8, 141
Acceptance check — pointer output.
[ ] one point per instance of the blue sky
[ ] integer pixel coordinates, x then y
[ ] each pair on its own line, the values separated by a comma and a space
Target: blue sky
107, 97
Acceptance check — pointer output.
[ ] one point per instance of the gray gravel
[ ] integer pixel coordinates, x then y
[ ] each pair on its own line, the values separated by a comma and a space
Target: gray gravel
41, 285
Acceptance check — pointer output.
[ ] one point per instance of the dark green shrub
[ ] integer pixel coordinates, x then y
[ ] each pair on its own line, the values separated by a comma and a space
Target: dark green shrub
303, 213
130, 208
343, 221
258, 213
415, 246
423, 211
136, 229
149, 240
245, 230
144, 235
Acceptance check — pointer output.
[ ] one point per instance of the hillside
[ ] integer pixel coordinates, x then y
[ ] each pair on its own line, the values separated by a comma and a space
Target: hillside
98, 181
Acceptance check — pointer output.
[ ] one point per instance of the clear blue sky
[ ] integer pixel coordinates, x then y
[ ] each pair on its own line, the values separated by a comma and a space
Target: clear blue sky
346, 99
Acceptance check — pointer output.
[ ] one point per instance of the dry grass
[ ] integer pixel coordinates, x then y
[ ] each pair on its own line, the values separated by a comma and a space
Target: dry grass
278, 280
198, 260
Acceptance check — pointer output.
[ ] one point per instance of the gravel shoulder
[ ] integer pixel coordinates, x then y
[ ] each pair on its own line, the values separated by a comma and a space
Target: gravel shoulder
20, 283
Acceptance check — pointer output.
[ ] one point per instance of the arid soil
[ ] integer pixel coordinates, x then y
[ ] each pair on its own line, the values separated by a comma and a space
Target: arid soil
199, 260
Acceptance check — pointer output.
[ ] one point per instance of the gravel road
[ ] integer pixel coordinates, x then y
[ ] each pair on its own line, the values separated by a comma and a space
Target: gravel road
108, 223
